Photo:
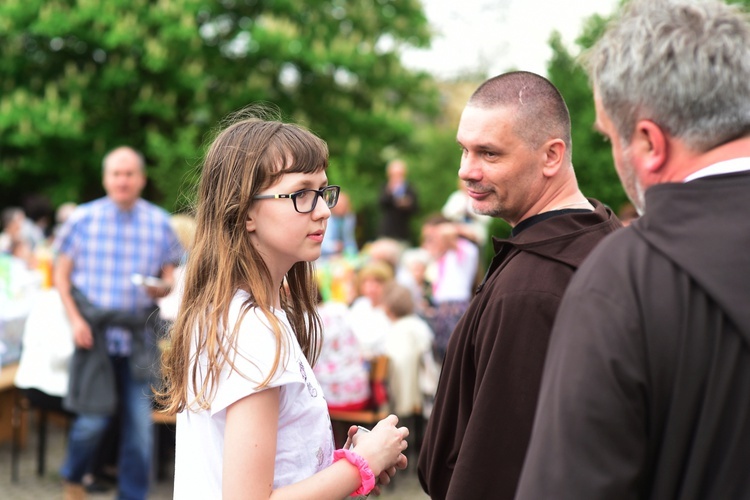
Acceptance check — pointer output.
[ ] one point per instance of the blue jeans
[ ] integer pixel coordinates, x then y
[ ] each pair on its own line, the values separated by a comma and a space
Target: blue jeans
136, 437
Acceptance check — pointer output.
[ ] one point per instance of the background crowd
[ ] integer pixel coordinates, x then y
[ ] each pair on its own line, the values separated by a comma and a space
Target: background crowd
584, 361
398, 295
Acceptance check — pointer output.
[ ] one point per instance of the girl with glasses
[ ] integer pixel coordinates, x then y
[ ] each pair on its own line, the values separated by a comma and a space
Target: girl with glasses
252, 421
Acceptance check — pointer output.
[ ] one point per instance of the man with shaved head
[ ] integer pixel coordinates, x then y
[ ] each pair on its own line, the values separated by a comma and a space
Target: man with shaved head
516, 164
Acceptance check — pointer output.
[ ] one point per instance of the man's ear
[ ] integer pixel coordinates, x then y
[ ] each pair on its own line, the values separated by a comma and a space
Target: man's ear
554, 156
650, 146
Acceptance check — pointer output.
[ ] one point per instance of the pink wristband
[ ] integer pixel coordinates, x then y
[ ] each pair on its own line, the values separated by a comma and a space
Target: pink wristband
365, 473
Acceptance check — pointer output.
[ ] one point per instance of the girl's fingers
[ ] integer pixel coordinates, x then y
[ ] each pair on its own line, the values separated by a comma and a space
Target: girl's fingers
391, 419
384, 479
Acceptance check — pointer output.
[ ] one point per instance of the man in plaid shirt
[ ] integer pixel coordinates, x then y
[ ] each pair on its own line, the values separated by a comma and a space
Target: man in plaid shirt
100, 248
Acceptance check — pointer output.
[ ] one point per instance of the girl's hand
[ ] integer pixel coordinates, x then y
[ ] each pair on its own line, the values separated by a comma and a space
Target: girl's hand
350, 436
382, 447
384, 479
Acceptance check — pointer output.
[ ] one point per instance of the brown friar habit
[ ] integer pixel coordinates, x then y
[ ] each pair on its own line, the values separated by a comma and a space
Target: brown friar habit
646, 392
478, 431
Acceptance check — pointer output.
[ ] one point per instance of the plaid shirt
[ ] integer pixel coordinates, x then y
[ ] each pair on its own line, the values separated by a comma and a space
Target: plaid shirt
107, 246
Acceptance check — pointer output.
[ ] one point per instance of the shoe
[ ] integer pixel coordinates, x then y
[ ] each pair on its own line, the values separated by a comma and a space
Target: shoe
73, 491
97, 486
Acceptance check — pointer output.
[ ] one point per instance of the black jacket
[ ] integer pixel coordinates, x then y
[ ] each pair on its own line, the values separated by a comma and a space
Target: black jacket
92, 385
395, 214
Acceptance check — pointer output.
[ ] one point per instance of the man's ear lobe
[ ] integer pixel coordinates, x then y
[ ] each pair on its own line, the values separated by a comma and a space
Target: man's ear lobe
554, 156
651, 145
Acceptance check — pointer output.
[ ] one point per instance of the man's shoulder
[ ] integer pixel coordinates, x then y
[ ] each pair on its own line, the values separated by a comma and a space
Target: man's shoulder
615, 256
95, 204
622, 241
153, 212
144, 204
566, 239
85, 211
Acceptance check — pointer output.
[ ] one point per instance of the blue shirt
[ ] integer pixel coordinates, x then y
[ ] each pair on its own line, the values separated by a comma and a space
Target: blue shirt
107, 246
339, 237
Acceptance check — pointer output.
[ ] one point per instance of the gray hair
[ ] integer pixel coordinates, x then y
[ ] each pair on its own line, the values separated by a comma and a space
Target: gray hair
9, 214
683, 64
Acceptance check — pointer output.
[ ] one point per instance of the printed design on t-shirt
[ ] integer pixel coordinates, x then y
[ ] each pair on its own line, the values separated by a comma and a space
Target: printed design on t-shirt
313, 391
320, 456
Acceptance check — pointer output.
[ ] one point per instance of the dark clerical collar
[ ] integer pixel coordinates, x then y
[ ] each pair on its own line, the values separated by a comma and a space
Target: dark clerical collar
534, 219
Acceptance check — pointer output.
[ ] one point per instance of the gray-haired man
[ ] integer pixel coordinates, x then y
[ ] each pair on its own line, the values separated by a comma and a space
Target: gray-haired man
646, 383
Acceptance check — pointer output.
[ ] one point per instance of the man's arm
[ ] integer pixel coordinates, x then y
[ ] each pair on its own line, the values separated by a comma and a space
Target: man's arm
62, 276
484, 408
408, 203
510, 354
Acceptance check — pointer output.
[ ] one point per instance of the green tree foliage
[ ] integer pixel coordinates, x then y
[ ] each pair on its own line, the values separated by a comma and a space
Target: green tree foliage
592, 156
79, 77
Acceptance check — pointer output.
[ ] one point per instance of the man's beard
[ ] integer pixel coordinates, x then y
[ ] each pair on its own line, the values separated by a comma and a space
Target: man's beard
491, 211
632, 185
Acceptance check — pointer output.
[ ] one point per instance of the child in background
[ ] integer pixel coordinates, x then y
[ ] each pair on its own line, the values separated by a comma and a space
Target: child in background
251, 418
416, 261
366, 316
341, 369
406, 341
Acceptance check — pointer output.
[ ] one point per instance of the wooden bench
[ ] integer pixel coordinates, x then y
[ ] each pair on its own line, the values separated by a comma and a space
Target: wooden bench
8, 396
13, 413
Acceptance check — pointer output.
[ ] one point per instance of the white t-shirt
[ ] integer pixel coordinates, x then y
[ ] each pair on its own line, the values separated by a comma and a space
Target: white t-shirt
455, 272
405, 343
305, 440
369, 325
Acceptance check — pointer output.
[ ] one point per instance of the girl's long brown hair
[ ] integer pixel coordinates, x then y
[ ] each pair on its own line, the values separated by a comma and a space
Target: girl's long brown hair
245, 158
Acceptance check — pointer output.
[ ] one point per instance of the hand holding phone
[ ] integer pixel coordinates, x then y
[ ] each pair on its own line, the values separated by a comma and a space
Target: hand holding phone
141, 280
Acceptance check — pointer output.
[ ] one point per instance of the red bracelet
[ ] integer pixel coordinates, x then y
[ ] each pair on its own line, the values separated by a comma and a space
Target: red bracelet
365, 473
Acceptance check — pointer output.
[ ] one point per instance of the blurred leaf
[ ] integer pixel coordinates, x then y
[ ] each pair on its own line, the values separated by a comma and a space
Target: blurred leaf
80, 77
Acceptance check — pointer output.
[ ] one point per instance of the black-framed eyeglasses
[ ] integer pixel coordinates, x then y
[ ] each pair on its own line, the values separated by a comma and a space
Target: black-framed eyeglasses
305, 200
